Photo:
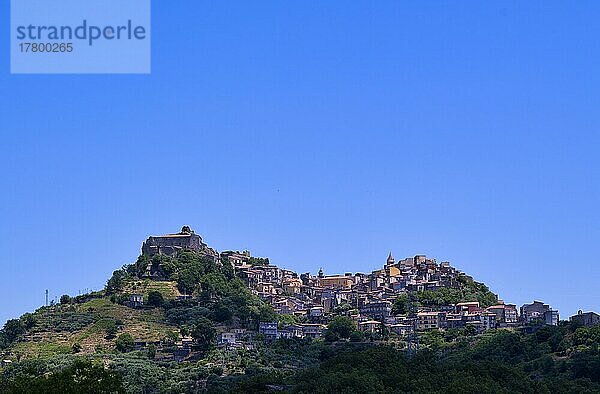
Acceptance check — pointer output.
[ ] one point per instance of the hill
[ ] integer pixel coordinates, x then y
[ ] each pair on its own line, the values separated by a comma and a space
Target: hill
190, 321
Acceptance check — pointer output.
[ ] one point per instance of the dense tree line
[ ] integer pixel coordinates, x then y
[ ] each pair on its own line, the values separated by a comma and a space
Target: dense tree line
563, 359
80, 376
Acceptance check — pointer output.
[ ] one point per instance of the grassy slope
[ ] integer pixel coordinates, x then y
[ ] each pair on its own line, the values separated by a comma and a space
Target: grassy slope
61, 326
168, 289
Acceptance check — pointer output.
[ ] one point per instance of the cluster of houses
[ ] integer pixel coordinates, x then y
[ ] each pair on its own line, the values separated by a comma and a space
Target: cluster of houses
367, 298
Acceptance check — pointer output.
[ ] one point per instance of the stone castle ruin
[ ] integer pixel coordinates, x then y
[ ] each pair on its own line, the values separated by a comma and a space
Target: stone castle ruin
170, 244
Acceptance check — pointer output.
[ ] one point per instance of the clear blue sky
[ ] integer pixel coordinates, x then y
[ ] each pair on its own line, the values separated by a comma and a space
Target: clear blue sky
319, 135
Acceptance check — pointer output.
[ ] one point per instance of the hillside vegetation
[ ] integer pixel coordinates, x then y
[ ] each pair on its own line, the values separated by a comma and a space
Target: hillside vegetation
100, 343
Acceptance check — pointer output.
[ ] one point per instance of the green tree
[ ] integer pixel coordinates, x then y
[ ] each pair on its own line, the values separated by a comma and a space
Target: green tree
76, 348
184, 331
357, 336
475, 291
214, 284
469, 330
151, 351
81, 377
13, 328
116, 281
28, 320
188, 280
110, 327
405, 304
204, 333
155, 298
287, 319
172, 337
65, 299
340, 327
433, 339
258, 261
221, 313
266, 313
124, 342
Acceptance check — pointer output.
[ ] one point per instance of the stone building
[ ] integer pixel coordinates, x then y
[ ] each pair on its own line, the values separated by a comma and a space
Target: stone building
430, 320
170, 244
538, 311
336, 281
236, 258
268, 329
377, 310
506, 314
586, 318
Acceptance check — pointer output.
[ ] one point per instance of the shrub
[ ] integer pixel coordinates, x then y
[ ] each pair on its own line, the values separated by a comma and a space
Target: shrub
65, 299
151, 351
155, 298
340, 327
124, 342
13, 329
76, 348
110, 327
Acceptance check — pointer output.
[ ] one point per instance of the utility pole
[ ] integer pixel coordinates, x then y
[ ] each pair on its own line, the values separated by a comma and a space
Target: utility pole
46, 297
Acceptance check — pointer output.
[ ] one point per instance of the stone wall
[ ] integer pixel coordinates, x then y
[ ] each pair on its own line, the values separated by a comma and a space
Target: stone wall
170, 244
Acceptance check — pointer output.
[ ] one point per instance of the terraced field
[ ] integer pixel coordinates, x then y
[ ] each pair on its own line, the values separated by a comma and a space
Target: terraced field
59, 327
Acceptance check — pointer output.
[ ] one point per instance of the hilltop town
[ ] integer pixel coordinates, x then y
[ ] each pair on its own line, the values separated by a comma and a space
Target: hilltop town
186, 318
403, 297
